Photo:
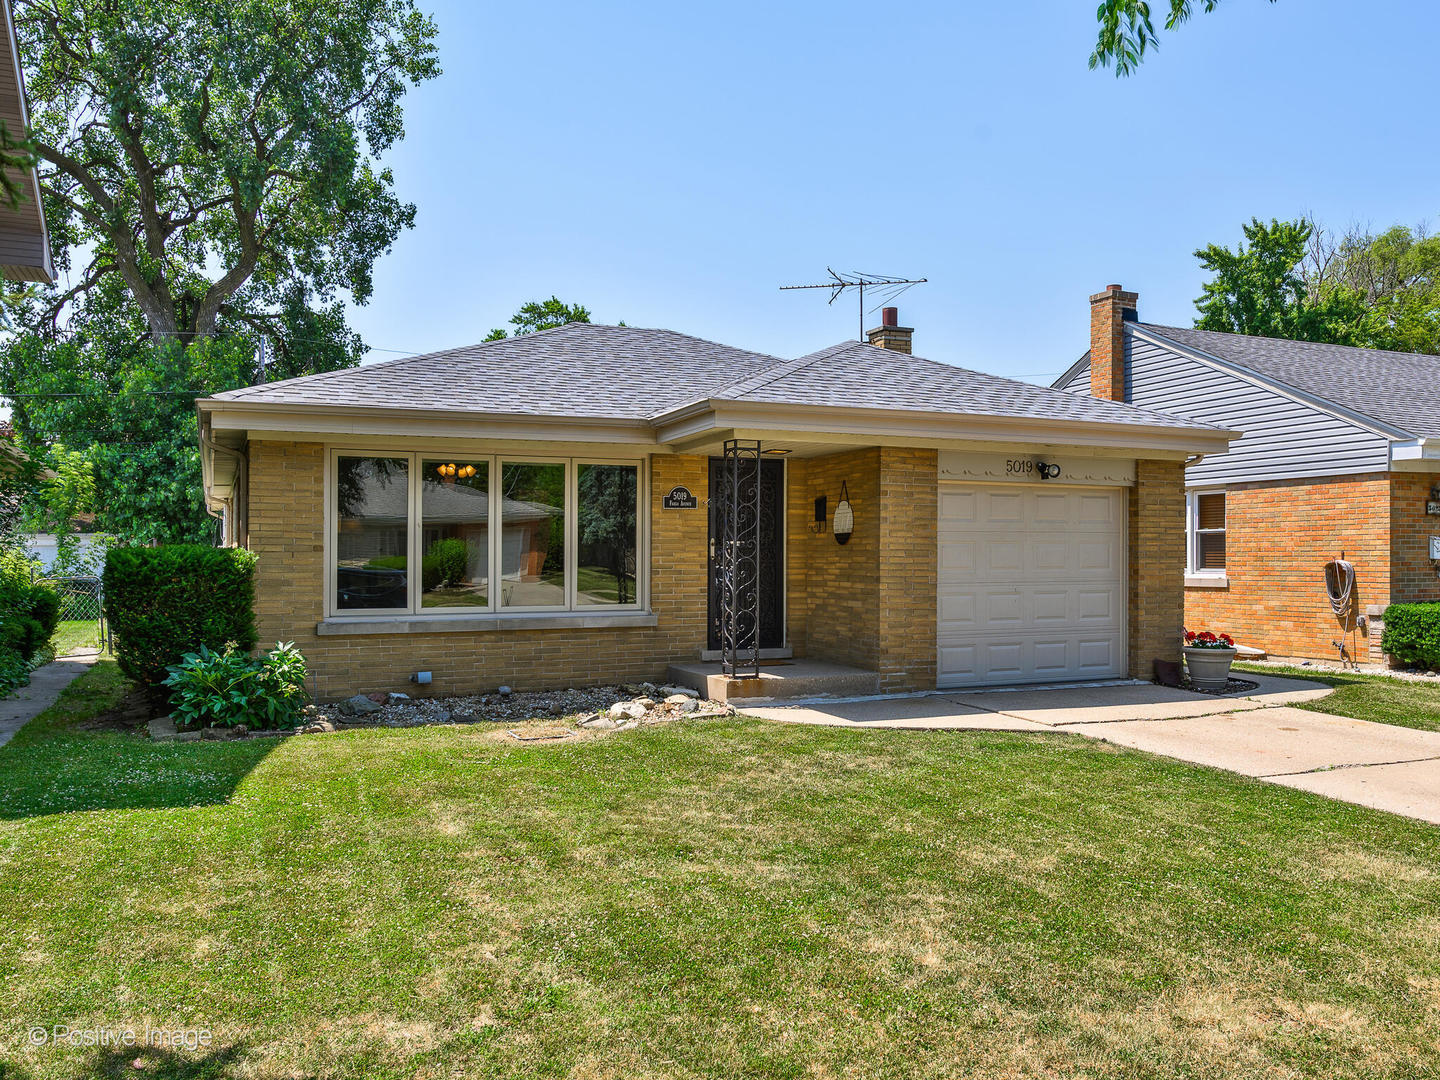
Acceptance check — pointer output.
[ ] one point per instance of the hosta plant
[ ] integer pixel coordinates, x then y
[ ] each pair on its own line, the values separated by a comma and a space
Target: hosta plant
226, 688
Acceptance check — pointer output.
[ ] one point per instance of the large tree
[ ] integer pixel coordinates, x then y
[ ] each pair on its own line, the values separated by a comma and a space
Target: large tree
218, 157
1292, 279
542, 315
1127, 30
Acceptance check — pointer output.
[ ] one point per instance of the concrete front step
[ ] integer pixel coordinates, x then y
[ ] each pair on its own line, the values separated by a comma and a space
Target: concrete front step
780, 680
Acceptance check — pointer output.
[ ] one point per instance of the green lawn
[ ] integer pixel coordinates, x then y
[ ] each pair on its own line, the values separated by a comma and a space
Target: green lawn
1384, 700
75, 635
721, 898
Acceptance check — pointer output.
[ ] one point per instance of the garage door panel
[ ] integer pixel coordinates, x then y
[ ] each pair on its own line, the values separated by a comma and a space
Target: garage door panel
1032, 585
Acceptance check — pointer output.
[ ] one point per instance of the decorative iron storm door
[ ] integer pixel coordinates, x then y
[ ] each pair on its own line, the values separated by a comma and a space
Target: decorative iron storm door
757, 582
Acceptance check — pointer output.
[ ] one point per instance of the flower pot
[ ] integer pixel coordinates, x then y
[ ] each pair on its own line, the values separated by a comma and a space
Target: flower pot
1209, 668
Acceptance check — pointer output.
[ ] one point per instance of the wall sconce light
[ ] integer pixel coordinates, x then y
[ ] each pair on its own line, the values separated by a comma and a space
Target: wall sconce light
844, 522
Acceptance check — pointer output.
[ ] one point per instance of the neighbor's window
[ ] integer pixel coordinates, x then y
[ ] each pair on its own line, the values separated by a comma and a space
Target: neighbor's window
607, 536
532, 535
1207, 532
455, 534
372, 547
483, 534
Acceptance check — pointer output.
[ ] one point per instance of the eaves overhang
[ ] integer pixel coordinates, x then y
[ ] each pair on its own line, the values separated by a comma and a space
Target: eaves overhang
933, 428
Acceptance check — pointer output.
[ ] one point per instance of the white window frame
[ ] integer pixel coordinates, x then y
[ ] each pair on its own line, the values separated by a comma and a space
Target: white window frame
1193, 530
494, 463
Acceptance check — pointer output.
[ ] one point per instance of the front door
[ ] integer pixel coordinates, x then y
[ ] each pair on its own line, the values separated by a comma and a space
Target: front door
772, 539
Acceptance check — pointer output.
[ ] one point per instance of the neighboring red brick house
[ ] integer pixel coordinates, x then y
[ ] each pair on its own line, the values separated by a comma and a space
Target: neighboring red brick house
1340, 457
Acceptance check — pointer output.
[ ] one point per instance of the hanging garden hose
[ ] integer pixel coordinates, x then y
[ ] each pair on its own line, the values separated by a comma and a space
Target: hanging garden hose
1340, 585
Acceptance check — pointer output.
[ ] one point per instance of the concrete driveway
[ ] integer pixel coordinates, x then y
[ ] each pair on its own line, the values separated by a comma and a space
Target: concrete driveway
1256, 734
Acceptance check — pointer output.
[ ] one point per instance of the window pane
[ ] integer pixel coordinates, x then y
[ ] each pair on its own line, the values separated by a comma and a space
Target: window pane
532, 535
455, 534
1210, 550
372, 549
1210, 511
605, 573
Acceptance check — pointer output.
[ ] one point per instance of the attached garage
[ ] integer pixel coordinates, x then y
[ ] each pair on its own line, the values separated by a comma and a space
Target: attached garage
1031, 576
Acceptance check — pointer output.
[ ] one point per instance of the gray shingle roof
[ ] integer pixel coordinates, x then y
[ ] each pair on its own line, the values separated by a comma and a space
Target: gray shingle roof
581, 369
1401, 390
588, 370
855, 373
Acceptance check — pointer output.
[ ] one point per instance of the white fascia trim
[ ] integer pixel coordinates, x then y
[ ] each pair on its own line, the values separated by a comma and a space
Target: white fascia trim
1369, 423
368, 421
1414, 450
842, 422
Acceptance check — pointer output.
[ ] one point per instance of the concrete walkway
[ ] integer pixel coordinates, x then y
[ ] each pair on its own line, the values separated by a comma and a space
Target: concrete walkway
1256, 734
45, 685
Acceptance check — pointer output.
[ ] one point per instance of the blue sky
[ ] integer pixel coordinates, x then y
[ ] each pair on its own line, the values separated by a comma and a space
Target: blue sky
672, 165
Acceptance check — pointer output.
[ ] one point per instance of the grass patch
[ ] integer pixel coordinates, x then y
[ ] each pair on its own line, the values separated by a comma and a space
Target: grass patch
1403, 702
75, 635
722, 898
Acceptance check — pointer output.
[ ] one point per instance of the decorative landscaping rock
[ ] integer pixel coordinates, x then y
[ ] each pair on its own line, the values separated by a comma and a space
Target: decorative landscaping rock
395, 698
679, 691
687, 705
360, 705
627, 710
644, 702
504, 691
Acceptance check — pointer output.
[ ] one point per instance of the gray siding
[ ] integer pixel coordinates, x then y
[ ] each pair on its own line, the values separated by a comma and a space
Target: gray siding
1283, 438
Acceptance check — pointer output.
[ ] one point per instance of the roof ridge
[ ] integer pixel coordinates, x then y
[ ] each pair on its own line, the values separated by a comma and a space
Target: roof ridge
1363, 349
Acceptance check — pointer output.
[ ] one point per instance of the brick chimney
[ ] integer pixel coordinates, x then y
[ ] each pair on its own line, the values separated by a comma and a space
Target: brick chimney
1109, 311
889, 334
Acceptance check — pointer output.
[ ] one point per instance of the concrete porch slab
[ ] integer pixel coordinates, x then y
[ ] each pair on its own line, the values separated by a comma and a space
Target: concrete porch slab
928, 713
1270, 743
779, 680
1411, 788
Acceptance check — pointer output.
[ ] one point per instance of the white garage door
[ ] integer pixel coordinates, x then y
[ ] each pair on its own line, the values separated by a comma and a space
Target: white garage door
1032, 584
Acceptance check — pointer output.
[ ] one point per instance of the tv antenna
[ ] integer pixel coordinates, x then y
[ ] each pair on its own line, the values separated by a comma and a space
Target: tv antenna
889, 286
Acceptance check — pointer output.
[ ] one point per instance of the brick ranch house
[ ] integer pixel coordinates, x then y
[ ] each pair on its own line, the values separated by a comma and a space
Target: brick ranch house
538, 512
1340, 457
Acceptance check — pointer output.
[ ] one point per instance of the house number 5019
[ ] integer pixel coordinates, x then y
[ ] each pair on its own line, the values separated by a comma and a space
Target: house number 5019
1027, 467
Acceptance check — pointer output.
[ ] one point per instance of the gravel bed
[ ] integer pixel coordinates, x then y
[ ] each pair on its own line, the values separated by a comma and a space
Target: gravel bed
1364, 669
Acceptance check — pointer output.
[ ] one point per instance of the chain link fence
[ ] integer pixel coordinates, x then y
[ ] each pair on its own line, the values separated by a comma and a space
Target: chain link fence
82, 614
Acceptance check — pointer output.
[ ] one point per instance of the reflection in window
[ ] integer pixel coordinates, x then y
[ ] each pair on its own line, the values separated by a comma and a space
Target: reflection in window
532, 535
1210, 531
606, 506
455, 534
372, 499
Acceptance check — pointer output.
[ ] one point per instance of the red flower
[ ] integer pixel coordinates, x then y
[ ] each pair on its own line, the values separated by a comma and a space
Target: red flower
1189, 636
1226, 640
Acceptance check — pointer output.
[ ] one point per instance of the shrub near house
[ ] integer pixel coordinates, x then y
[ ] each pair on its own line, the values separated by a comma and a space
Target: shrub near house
29, 613
1412, 634
164, 602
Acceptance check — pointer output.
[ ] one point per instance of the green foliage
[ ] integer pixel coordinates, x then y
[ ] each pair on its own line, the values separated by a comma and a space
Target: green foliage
217, 159
444, 564
223, 689
1126, 30
1259, 289
1288, 279
29, 614
164, 602
1412, 634
542, 315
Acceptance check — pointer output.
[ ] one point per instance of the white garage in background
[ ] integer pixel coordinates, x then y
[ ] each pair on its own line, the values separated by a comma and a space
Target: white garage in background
1032, 569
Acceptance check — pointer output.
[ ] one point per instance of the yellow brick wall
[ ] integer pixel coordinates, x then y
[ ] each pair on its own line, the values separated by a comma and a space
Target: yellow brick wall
909, 522
287, 533
870, 602
1156, 542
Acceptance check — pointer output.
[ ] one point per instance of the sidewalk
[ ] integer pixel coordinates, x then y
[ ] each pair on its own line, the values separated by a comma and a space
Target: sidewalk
1255, 734
46, 683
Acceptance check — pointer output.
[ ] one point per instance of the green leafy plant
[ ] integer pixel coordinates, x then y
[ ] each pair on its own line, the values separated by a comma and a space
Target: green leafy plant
29, 614
1412, 634
166, 602
444, 563
226, 688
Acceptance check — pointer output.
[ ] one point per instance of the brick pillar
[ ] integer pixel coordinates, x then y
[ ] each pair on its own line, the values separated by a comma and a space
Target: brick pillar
1157, 564
1109, 311
889, 334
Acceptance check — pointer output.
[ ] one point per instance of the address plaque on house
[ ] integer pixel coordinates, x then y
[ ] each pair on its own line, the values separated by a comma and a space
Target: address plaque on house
1036, 467
679, 498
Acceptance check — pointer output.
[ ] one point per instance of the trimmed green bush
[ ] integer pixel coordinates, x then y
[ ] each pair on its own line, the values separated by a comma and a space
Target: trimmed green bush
1412, 633
29, 613
164, 602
